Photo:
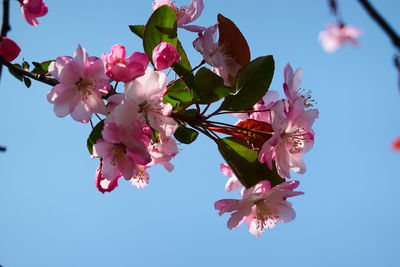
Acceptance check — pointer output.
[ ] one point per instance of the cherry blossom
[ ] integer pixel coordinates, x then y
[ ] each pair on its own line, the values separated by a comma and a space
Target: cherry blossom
82, 84
32, 9
164, 55
162, 152
214, 55
143, 102
9, 50
261, 206
124, 69
335, 36
233, 183
185, 14
292, 137
121, 150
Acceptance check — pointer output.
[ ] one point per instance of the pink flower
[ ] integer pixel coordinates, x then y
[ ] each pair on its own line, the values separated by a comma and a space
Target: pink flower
103, 184
261, 206
143, 102
82, 84
233, 183
9, 49
185, 14
336, 36
120, 69
162, 152
164, 55
121, 150
224, 66
32, 9
292, 137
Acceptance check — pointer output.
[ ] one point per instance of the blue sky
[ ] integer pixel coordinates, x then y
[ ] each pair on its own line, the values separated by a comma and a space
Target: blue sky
51, 214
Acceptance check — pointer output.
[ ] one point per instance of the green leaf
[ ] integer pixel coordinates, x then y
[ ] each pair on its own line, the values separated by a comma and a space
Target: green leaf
233, 41
177, 95
13, 73
161, 27
137, 29
251, 84
94, 136
185, 135
209, 87
183, 68
244, 163
41, 68
27, 82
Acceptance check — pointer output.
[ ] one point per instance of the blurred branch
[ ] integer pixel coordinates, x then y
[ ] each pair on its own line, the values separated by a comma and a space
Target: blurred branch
38, 77
5, 27
381, 22
2, 149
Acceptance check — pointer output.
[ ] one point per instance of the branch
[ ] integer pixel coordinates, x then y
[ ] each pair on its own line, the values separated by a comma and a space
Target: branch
38, 77
2, 149
6, 24
381, 22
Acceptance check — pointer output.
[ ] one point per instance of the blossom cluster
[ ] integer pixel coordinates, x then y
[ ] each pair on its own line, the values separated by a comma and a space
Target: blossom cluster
141, 125
290, 121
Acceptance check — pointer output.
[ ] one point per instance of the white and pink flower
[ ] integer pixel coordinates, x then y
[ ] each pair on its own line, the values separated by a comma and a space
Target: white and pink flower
292, 137
143, 102
214, 55
82, 84
261, 206
335, 36
124, 69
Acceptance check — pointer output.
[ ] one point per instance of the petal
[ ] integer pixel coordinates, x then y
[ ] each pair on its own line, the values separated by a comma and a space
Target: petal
81, 113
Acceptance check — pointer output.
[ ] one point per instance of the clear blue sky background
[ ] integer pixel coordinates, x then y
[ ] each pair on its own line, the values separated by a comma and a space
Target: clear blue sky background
51, 214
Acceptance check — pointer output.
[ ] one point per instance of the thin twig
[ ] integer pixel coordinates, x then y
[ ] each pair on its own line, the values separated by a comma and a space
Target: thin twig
5, 27
381, 22
21, 72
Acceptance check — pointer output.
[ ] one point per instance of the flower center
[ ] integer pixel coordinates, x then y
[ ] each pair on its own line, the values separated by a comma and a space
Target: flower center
119, 60
264, 216
297, 139
83, 85
118, 153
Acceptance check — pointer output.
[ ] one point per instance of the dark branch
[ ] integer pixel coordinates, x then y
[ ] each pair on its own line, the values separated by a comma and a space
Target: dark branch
38, 77
6, 17
381, 22
5, 27
2, 149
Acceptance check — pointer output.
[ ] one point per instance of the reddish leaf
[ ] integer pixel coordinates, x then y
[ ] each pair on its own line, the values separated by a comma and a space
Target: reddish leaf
259, 134
233, 41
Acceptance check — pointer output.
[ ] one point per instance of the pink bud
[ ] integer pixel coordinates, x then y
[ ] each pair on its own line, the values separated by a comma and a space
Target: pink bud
124, 69
32, 9
9, 49
164, 55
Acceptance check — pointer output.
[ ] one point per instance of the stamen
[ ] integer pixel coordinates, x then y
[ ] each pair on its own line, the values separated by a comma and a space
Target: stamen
307, 98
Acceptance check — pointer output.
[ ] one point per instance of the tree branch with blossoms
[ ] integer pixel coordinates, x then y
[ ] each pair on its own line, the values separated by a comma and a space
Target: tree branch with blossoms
143, 123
